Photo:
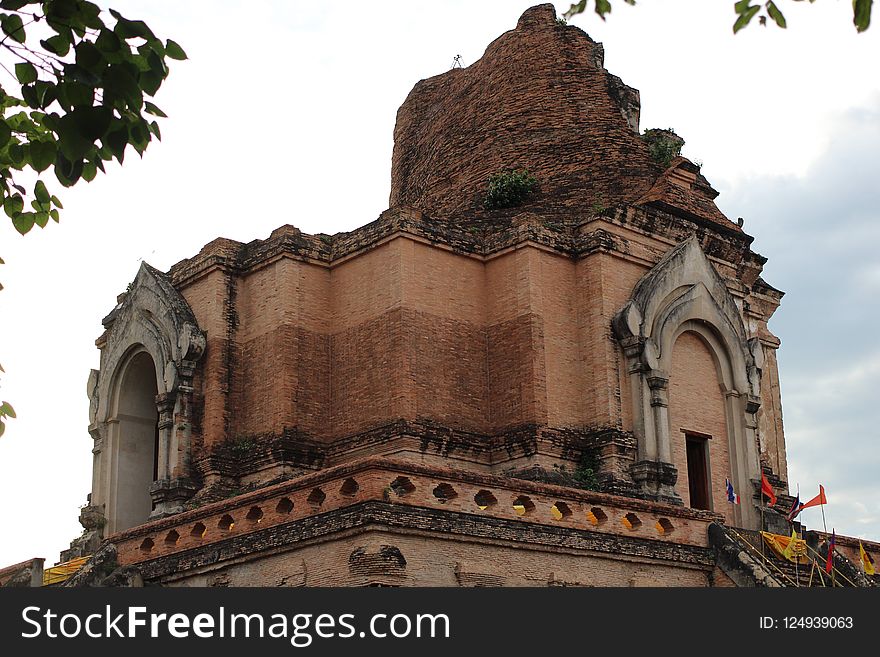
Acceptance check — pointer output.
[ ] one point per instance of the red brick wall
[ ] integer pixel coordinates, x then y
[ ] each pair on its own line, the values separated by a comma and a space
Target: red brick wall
208, 299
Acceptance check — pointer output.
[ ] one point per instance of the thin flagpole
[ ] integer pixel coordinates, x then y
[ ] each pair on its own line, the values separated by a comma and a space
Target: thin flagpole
760, 496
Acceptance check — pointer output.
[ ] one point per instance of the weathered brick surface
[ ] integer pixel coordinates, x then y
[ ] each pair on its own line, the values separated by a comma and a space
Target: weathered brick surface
538, 98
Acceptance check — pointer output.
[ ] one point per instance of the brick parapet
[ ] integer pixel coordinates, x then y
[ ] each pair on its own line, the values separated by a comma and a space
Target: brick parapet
432, 528
406, 484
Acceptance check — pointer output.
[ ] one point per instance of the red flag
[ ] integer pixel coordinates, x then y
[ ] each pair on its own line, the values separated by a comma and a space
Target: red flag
816, 501
767, 489
829, 560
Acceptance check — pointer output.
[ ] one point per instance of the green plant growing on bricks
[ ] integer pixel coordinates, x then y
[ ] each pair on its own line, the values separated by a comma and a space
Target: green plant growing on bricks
75, 100
663, 145
508, 189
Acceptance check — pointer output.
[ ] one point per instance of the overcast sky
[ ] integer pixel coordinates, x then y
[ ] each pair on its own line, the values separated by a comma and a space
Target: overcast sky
284, 114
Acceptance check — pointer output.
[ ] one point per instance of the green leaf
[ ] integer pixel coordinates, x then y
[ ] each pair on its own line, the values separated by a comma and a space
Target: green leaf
90, 15
72, 143
149, 108
12, 205
45, 93
5, 133
745, 17
58, 44
68, 172
17, 155
13, 5
862, 14
92, 122
575, 9
89, 171
116, 141
89, 57
139, 133
62, 9
29, 94
120, 81
55, 216
42, 154
56, 202
174, 51
150, 82
41, 192
128, 29
108, 42
154, 128
775, 14
75, 94
25, 72
157, 64
23, 222
12, 26
603, 7
41, 218
6, 409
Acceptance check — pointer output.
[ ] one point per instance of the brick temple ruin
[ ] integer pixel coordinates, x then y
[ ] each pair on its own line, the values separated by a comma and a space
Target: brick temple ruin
545, 395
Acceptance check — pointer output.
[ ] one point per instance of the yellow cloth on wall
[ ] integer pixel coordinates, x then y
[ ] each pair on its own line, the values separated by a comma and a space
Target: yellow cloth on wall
778, 544
63, 571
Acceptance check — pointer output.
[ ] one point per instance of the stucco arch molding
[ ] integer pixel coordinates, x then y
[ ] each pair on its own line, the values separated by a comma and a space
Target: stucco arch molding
684, 287
684, 292
153, 315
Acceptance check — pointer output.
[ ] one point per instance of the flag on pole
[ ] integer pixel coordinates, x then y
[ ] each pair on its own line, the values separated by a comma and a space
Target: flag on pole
732, 496
829, 560
795, 508
867, 561
767, 489
816, 501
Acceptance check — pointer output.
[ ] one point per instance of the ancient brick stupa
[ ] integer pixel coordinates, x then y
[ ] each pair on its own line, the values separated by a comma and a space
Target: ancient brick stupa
455, 386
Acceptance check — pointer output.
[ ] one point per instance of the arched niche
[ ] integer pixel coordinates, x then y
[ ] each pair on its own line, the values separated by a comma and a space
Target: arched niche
134, 436
149, 352
683, 293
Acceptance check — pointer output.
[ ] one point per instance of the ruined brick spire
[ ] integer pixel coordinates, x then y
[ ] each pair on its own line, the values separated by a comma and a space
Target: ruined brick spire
539, 98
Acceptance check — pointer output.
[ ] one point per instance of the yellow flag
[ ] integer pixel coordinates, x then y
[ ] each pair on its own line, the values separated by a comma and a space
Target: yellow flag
789, 552
867, 562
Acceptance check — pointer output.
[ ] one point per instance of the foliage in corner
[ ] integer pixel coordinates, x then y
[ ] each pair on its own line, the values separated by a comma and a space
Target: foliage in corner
509, 189
663, 145
76, 100
745, 12
82, 97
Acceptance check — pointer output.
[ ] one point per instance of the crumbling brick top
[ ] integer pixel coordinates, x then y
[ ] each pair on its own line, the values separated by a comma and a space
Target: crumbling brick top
540, 99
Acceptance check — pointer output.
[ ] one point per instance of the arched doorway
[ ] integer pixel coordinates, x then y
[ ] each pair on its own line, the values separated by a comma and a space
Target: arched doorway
135, 439
698, 424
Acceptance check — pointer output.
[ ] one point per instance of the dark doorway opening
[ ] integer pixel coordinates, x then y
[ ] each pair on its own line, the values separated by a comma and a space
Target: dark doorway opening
698, 471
